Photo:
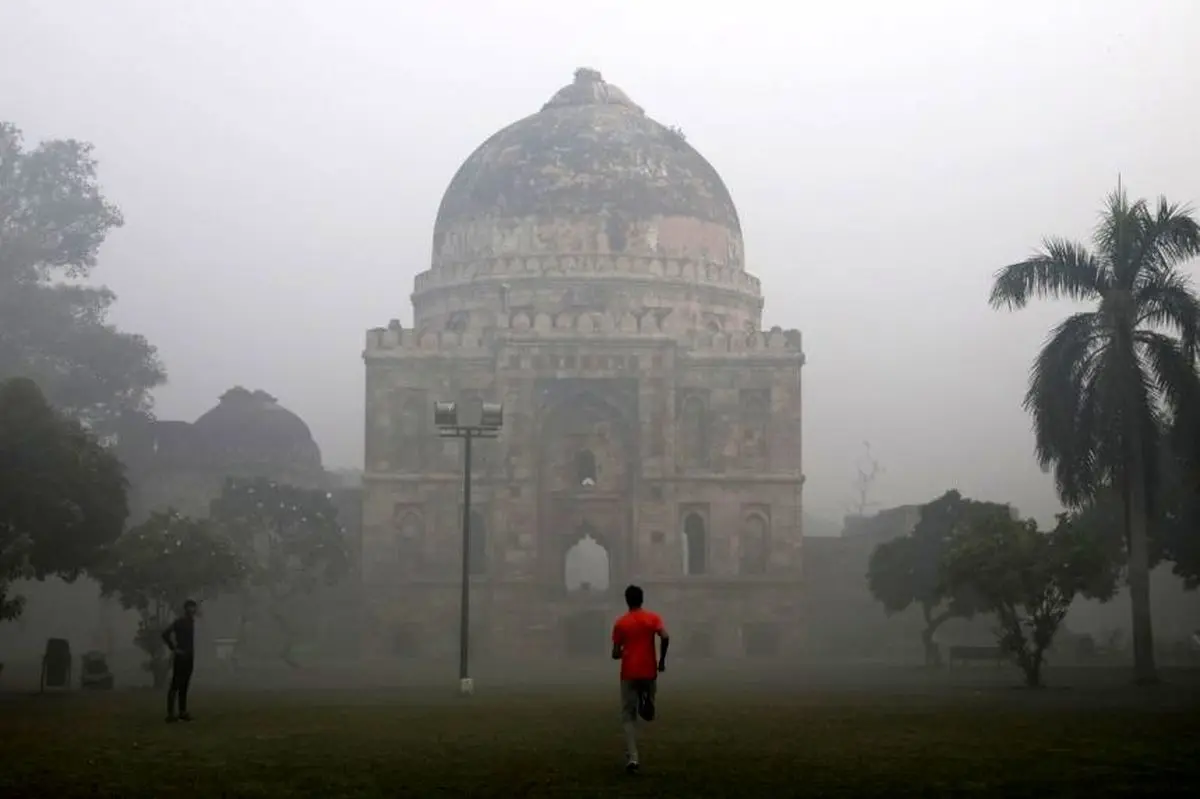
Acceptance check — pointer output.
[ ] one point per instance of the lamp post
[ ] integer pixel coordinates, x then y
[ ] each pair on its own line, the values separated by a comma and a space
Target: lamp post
488, 420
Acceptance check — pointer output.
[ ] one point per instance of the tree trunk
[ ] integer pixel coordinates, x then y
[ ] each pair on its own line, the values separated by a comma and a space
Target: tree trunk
1144, 669
1032, 666
933, 657
933, 654
1145, 672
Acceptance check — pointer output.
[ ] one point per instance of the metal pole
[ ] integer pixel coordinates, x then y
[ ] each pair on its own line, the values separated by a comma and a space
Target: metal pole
464, 622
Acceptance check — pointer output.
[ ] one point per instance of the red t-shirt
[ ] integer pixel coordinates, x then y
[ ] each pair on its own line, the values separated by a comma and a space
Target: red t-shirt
635, 632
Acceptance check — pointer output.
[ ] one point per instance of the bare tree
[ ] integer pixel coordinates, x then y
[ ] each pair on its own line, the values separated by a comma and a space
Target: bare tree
868, 471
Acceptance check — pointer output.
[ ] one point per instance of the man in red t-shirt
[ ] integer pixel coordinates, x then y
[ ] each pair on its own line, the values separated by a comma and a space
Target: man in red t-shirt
633, 644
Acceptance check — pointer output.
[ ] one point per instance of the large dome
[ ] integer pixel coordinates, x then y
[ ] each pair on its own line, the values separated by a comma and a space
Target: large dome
592, 154
589, 183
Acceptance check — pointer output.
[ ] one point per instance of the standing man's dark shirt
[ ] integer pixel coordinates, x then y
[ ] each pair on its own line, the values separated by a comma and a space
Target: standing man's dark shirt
184, 631
181, 639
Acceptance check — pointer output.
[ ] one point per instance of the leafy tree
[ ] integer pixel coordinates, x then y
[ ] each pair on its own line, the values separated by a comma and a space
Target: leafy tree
157, 565
908, 570
1029, 579
1175, 535
62, 495
1180, 527
53, 219
293, 539
1109, 380
1174, 529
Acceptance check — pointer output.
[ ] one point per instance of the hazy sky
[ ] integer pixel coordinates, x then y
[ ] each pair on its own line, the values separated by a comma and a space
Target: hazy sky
280, 163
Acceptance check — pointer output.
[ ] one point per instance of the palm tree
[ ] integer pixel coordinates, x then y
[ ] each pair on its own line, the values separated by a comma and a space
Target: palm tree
1110, 380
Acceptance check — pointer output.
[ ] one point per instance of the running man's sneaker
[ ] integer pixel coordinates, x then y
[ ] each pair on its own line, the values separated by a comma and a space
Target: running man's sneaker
631, 767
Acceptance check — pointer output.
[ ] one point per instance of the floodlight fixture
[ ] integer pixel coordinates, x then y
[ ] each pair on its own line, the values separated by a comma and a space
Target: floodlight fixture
492, 416
445, 414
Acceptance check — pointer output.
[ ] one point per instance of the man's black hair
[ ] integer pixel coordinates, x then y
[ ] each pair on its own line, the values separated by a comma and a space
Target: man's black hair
189, 603
634, 596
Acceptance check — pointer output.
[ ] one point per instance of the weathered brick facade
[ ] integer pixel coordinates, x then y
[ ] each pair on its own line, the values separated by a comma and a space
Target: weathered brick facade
587, 273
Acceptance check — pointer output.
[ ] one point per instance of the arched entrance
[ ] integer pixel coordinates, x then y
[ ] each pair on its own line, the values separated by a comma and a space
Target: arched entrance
586, 565
586, 470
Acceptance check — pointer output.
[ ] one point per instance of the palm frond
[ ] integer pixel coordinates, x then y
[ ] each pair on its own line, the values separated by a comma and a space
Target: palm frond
1081, 464
1170, 303
1063, 269
1169, 237
1174, 372
1065, 414
1117, 234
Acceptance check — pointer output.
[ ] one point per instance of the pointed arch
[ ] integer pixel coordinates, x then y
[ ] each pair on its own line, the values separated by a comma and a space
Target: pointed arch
409, 529
694, 545
755, 413
585, 467
693, 430
754, 546
413, 424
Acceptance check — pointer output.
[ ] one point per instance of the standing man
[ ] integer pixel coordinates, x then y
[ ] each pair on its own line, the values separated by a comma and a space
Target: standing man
181, 640
633, 644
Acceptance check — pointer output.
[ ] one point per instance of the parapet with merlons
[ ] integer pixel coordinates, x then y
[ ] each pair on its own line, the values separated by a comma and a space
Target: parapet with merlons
395, 340
774, 343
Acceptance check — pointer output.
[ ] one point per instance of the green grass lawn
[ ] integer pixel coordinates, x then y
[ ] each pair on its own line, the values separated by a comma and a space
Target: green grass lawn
567, 742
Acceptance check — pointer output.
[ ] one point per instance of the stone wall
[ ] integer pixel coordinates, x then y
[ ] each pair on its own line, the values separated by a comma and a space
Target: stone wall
684, 439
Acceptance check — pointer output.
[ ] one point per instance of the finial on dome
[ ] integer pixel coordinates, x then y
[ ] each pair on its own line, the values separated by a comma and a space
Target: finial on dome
589, 88
588, 75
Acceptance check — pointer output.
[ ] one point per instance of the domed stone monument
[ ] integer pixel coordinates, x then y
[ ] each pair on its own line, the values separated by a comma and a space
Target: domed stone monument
183, 465
587, 272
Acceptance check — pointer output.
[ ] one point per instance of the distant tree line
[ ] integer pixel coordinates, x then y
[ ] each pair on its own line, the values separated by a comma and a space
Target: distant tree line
69, 380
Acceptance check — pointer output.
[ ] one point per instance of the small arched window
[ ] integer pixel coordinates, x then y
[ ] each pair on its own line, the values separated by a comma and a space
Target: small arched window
695, 546
412, 435
692, 424
754, 546
755, 413
585, 468
408, 540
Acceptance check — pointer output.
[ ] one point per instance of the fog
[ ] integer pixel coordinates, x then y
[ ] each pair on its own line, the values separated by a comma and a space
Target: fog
279, 166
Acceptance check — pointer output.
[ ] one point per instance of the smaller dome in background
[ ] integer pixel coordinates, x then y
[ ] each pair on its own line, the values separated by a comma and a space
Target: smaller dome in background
253, 425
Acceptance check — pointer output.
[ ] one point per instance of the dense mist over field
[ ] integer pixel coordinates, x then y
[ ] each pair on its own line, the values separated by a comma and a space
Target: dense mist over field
279, 170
